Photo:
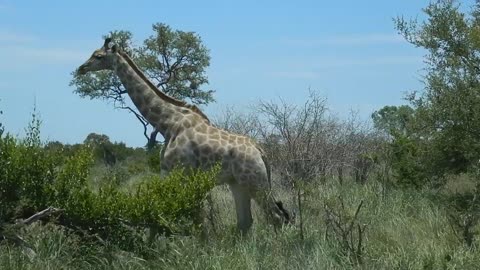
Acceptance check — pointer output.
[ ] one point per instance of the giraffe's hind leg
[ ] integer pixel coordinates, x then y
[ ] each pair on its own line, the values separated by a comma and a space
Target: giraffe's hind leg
243, 207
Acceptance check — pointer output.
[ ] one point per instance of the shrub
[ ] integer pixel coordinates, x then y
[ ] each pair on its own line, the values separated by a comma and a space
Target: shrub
406, 162
153, 157
26, 173
171, 204
34, 177
9, 187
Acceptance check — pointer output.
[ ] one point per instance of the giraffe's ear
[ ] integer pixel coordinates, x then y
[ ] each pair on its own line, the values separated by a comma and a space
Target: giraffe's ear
107, 42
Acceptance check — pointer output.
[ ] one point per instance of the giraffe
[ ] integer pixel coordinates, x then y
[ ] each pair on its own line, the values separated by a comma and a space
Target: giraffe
193, 141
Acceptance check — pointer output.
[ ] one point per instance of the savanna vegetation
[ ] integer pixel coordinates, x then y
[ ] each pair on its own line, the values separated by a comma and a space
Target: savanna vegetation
400, 192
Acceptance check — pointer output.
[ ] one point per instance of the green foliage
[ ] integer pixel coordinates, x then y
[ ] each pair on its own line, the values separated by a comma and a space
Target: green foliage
395, 121
27, 173
405, 147
33, 177
153, 157
71, 191
110, 153
123, 152
174, 51
405, 230
9, 187
175, 200
449, 108
35, 168
171, 204
438, 133
94, 139
407, 162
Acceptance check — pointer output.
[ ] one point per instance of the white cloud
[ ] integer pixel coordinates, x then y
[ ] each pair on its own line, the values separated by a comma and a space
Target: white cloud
294, 74
370, 61
7, 36
19, 50
315, 70
24, 57
348, 40
52, 55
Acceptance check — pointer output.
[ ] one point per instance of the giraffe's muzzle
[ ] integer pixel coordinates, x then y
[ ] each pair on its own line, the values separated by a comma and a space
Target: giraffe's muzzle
82, 70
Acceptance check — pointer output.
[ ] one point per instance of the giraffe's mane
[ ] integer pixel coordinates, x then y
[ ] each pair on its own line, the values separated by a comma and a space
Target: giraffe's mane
157, 91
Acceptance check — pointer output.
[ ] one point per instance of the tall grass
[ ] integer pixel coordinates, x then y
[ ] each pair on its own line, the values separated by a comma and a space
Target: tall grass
405, 230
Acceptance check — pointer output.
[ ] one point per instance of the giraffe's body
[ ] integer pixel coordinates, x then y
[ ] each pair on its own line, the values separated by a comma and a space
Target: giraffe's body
191, 140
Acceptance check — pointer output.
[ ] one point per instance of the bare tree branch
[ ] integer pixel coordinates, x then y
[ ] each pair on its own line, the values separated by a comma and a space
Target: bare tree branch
141, 119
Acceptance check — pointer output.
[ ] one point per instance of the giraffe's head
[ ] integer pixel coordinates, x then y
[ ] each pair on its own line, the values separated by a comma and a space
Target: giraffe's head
101, 59
286, 217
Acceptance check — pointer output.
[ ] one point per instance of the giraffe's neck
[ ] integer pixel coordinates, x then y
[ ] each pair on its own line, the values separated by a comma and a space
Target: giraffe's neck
159, 110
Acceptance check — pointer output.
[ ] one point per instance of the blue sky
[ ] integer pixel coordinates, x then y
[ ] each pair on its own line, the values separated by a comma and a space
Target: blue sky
348, 51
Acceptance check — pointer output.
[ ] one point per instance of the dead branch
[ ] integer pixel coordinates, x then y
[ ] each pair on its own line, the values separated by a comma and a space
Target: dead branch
44, 213
351, 240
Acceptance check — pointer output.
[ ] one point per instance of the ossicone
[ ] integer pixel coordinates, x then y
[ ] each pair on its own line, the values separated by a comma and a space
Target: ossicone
107, 42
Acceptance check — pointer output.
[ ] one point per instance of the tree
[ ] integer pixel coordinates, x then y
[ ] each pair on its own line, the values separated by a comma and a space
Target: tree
394, 120
447, 111
94, 140
175, 61
295, 136
403, 145
247, 124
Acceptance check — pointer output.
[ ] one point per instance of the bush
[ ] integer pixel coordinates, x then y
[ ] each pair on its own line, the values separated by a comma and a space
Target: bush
153, 157
26, 174
34, 177
406, 162
171, 205
9, 187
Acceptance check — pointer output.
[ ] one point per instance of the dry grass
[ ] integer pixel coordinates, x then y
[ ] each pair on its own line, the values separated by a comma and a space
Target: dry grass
405, 230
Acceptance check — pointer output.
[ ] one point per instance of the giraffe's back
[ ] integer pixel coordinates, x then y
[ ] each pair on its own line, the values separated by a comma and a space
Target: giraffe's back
206, 145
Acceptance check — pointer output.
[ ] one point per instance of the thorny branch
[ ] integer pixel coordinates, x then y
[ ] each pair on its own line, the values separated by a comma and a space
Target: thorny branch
344, 230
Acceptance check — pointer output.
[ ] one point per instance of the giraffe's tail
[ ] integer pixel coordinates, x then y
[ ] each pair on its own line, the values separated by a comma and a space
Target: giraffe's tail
280, 209
268, 168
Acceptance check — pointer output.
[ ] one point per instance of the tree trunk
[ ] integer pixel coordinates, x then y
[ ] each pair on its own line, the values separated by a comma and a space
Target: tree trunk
152, 140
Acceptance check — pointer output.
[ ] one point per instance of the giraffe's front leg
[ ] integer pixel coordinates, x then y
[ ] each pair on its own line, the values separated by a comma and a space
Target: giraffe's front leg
242, 206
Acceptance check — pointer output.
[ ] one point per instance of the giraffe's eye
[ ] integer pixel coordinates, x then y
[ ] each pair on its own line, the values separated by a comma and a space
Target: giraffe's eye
98, 56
